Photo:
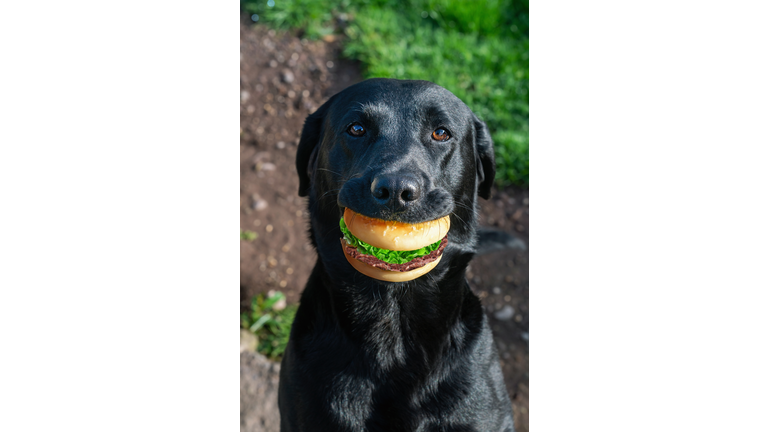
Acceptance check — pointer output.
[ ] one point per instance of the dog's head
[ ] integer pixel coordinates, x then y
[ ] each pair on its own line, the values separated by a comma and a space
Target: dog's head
407, 151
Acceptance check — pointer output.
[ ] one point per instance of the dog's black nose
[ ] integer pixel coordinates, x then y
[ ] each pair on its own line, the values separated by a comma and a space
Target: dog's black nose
395, 190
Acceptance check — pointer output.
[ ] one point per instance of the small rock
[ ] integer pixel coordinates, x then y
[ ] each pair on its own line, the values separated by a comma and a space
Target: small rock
287, 76
506, 313
280, 145
260, 156
244, 96
248, 341
281, 304
496, 290
272, 63
259, 204
524, 335
268, 166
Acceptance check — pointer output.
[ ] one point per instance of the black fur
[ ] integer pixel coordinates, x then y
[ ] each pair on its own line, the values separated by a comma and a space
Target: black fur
366, 355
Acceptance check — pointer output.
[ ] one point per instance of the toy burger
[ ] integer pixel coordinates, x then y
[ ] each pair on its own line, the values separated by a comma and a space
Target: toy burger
392, 251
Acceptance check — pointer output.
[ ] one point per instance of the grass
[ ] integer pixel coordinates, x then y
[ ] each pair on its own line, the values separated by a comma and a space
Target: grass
477, 50
247, 235
270, 319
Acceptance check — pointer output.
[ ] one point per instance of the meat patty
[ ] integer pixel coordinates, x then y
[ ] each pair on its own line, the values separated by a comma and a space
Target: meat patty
410, 265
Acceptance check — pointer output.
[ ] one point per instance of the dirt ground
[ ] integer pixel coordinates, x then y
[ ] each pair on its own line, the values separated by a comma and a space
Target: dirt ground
284, 78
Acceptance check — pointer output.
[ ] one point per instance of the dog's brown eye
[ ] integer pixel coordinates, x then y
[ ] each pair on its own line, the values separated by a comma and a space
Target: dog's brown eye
356, 130
440, 134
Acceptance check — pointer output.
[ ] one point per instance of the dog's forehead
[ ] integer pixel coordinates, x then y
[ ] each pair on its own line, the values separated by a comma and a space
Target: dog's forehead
384, 97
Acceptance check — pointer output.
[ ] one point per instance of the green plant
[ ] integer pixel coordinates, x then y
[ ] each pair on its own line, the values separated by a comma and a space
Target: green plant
247, 235
315, 17
270, 319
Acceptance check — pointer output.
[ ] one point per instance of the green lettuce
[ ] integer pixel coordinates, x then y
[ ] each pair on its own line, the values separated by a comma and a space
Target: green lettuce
386, 255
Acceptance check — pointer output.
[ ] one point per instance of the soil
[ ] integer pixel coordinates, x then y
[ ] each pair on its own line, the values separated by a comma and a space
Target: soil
283, 79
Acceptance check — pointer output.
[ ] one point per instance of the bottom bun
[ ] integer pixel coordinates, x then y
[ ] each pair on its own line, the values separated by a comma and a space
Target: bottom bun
391, 276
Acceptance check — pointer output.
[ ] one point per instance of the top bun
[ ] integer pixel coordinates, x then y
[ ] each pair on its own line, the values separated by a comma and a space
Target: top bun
392, 235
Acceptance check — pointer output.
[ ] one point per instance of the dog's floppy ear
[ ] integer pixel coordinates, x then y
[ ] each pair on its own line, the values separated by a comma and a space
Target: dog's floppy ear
485, 159
306, 155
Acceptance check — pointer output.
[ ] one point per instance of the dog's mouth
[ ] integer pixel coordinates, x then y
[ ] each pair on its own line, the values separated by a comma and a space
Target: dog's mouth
393, 247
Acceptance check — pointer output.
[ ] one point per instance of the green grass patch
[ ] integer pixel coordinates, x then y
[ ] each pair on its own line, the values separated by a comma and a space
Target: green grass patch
247, 235
477, 50
270, 319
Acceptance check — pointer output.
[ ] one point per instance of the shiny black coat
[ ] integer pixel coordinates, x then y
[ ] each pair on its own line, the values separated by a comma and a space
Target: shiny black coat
367, 355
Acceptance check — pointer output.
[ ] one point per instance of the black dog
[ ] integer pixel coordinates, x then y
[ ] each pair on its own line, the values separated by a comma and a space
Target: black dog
367, 355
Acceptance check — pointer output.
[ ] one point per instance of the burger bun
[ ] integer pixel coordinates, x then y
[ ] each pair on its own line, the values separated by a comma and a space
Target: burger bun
397, 236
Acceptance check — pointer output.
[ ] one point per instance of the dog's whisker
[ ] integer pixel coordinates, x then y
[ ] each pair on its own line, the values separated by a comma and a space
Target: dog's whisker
462, 220
328, 193
330, 171
462, 205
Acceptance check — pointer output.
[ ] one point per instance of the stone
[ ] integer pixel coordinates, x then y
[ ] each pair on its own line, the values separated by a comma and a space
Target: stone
248, 341
287, 76
259, 380
259, 204
505, 314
